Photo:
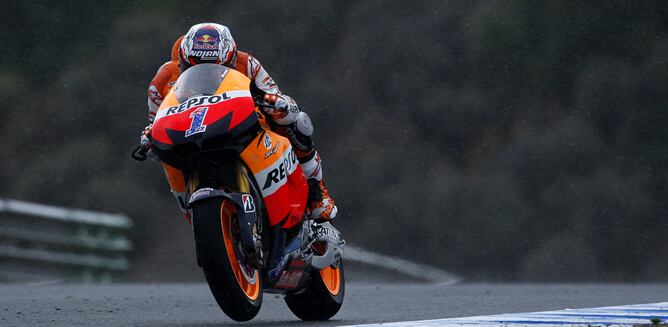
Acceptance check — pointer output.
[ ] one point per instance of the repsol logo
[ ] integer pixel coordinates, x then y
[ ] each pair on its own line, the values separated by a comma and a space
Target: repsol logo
197, 101
281, 172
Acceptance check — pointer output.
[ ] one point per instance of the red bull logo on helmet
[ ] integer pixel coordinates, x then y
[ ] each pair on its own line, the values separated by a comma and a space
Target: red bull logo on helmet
206, 38
205, 42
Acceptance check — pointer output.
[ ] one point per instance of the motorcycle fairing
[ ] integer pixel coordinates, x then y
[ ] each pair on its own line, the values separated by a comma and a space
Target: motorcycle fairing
293, 274
237, 104
279, 176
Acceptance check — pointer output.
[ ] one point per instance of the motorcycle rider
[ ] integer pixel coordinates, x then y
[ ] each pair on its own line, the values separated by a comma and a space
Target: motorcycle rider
213, 43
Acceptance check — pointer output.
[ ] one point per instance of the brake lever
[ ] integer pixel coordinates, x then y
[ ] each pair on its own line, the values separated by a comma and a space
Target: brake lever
265, 105
139, 153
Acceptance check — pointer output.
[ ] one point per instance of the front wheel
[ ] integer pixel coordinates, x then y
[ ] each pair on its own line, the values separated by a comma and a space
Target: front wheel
322, 298
235, 284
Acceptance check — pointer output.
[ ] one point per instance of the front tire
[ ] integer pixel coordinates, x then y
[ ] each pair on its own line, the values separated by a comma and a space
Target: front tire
236, 286
323, 297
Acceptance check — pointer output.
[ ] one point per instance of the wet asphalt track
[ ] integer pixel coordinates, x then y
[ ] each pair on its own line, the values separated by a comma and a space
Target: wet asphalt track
366, 302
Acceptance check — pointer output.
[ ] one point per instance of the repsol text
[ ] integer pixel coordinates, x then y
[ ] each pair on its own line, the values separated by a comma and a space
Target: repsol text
280, 173
197, 101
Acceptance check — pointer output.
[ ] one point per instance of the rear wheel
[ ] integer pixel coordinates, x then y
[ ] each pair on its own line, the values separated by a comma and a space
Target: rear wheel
235, 284
323, 297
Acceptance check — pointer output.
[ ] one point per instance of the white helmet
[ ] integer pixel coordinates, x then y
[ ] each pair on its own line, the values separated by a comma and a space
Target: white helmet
207, 43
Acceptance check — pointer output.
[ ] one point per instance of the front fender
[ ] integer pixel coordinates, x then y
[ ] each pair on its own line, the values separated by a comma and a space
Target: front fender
246, 211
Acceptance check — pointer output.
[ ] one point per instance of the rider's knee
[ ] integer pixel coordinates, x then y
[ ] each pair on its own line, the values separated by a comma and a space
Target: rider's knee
303, 124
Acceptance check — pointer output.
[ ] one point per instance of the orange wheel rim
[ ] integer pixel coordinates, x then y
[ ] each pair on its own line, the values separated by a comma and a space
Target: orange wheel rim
331, 277
250, 285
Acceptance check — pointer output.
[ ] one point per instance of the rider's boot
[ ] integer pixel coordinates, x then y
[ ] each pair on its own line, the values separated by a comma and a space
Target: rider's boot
321, 204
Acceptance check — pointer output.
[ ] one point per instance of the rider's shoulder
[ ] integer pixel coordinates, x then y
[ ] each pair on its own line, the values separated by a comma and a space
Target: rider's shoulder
169, 68
242, 57
247, 64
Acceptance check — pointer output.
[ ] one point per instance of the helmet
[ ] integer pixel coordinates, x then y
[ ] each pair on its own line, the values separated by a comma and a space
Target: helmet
207, 43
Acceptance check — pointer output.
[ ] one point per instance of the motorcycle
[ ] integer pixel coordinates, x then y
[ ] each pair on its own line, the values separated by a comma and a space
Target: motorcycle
248, 197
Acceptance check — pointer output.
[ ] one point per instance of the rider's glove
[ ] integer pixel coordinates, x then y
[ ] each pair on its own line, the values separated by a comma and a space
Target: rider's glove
145, 142
145, 138
284, 111
280, 109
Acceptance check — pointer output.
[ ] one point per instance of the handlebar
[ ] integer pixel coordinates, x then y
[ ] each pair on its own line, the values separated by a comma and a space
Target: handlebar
265, 105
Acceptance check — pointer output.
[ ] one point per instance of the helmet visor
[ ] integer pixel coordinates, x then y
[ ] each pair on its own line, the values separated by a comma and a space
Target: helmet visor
203, 79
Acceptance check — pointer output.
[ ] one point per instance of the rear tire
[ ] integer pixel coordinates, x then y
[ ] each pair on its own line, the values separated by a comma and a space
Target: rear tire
323, 297
235, 285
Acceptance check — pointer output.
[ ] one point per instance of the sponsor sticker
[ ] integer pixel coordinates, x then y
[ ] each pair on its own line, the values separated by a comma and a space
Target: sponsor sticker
205, 54
279, 268
289, 279
197, 124
200, 101
279, 173
200, 193
267, 141
271, 152
249, 204
205, 42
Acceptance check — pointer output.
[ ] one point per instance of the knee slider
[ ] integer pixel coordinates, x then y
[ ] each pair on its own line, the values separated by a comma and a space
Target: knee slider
303, 124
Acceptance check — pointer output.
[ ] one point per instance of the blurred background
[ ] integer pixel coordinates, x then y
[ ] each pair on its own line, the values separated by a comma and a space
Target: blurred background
500, 140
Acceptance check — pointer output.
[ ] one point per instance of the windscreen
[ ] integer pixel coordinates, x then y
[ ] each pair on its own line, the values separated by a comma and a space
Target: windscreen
202, 79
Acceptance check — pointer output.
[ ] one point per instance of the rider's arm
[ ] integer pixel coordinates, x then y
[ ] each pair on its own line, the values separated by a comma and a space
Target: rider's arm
261, 81
160, 86
264, 88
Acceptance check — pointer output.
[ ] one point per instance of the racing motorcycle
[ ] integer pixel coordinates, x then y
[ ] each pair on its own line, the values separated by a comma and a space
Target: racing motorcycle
248, 197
